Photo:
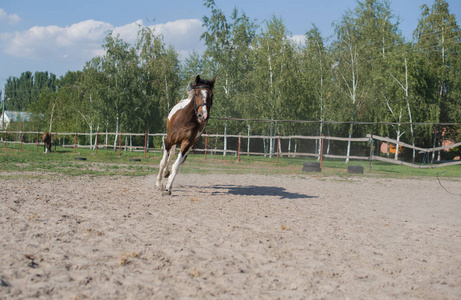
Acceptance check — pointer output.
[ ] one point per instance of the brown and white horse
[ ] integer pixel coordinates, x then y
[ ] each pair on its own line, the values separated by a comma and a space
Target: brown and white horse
46, 142
186, 122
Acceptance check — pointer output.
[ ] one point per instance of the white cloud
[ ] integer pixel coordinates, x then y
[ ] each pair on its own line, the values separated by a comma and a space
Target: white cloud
83, 40
53, 42
298, 39
129, 32
8, 18
85, 32
182, 34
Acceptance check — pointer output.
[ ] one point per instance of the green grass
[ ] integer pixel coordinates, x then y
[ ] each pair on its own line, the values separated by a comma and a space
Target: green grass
31, 161
34, 163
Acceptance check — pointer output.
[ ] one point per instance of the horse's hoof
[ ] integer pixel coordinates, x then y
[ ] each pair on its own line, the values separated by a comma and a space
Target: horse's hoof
161, 187
166, 193
167, 174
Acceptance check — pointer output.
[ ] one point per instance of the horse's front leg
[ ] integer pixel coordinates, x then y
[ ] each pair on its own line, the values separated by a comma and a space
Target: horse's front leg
175, 168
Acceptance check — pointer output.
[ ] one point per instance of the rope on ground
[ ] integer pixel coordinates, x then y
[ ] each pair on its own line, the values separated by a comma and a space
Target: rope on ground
443, 186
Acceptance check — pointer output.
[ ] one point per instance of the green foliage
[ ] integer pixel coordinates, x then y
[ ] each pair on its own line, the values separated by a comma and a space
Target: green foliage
367, 72
23, 91
438, 41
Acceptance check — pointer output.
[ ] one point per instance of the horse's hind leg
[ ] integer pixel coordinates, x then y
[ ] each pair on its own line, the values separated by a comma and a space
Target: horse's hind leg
163, 165
166, 171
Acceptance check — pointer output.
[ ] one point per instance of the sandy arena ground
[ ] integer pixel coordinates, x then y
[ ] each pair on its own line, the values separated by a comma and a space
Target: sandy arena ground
230, 237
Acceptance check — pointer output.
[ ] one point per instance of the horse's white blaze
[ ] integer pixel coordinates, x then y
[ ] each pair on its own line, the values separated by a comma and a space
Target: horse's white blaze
204, 109
180, 105
204, 94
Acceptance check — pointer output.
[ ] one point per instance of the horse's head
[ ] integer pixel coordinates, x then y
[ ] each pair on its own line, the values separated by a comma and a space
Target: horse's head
203, 97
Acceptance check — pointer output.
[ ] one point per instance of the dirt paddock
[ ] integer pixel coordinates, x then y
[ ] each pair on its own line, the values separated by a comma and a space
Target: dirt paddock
230, 237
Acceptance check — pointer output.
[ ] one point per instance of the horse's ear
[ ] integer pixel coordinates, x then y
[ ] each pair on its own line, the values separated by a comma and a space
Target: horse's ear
213, 80
197, 80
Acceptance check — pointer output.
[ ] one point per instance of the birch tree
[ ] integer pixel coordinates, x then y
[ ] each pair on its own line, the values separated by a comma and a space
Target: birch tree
275, 79
347, 69
228, 43
316, 73
438, 43
158, 80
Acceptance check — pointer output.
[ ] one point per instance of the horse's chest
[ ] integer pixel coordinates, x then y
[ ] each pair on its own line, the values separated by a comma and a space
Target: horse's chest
200, 130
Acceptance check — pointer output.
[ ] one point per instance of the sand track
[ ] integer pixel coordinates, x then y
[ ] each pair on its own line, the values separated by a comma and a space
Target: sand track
230, 237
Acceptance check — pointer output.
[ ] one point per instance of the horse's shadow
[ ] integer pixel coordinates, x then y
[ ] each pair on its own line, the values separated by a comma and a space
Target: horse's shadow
253, 190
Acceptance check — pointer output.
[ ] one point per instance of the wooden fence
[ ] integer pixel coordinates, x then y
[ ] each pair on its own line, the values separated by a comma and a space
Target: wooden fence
426, 151
17, 137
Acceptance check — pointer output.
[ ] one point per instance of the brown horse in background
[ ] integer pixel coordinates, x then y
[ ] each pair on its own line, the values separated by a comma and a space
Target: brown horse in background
46, 142
186, 122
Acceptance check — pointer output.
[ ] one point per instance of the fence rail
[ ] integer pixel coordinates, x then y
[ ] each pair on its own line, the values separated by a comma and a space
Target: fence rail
17, 137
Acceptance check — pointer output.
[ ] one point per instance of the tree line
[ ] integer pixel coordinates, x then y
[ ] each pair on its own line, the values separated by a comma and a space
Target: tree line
366, 72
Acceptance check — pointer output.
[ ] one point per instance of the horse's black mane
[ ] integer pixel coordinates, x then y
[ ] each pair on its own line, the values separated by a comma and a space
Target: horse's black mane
203, 82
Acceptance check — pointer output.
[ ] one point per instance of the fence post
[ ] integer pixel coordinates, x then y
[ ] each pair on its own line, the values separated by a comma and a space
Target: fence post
225, 140
75, 142
148, 141
370, 158
278, 147
4, 144
321, 150
96, 143
240, 142
248, 141
37, 140
20, 142
119, 143
145, 144
206, 142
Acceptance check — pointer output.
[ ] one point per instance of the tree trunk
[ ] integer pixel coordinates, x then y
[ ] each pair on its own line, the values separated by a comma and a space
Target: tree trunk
289, 147
116, 135
396, 157
348, 152
271, 144
248, 141
51, 117
225, 139
91, 136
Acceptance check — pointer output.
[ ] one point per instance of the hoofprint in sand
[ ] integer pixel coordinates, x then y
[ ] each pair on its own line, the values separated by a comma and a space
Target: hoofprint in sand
230, 237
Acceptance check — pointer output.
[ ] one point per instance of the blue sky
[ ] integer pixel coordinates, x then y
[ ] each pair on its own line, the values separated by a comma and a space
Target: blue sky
59, 35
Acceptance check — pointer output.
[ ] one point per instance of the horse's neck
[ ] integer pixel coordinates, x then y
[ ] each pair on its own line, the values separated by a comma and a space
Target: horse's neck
183, 104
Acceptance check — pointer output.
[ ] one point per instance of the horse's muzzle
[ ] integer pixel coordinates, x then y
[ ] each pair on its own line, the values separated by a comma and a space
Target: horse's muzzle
202, 114
202, 117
